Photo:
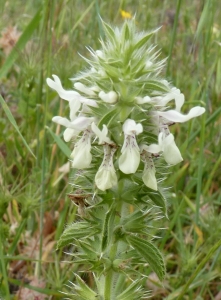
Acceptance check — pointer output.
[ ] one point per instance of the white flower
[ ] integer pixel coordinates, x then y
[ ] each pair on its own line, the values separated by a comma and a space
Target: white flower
84, 89
106, 175
110, 97
174, 94
73, 127
140, 100
101, 134
57, 86
68, 95
176, 116
148, 177
130, 157
69, 133
81, 154
161, 101
167, 145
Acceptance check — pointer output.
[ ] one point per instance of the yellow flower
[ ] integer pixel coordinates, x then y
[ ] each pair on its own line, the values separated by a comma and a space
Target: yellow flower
125, 14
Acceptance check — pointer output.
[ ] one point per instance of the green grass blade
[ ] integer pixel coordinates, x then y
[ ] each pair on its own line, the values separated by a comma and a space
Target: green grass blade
199, 268
173, 35
24, 38
64, 148
200, 169
13, 122
15, 242
4, 276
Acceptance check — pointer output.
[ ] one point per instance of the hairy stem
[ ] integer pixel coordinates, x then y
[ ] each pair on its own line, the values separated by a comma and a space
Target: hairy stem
112, 278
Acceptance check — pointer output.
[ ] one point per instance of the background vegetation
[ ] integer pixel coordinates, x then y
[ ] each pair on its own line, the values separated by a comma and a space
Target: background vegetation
41, 38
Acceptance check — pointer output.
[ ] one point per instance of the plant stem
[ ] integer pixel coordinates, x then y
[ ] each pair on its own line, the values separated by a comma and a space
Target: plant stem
108, 285
115, 248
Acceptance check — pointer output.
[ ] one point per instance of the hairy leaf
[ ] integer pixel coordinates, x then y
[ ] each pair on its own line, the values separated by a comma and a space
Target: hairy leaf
149, 253
74, 232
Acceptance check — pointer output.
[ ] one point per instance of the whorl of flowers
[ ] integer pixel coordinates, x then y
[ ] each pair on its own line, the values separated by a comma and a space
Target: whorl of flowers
121, 104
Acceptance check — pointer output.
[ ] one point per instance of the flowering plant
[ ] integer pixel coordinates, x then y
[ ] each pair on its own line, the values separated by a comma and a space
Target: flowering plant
120, 113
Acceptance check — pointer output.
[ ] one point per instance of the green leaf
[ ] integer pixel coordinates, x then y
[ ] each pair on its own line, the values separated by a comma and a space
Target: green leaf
134, 222
109, 31
83, 290
100, 110
144, 39
19, 46
125, 33
159, 200
107, 228
13, 122
149, 253
156, 197
133, 291
89, 250
64, 148
155, 85
128, 190
74, 232
108, 118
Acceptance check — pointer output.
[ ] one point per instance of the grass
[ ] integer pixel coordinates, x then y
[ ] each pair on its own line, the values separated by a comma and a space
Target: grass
34, 207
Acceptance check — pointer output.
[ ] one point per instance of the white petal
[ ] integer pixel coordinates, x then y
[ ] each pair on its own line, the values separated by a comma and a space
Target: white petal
69, 133
102, 135
57, 86
84, 89
95, 88
81, 154
130, 127
106, 176
179, 100
130, 157
140, 100
105, 179
153, 148
81, 123
110, 97
171, 152
174, 94
89, 102
74, 108
62, 121
175, 116
129, 161
149, 179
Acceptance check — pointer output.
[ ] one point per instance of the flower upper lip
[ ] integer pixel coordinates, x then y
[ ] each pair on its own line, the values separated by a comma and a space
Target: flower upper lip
70, 94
